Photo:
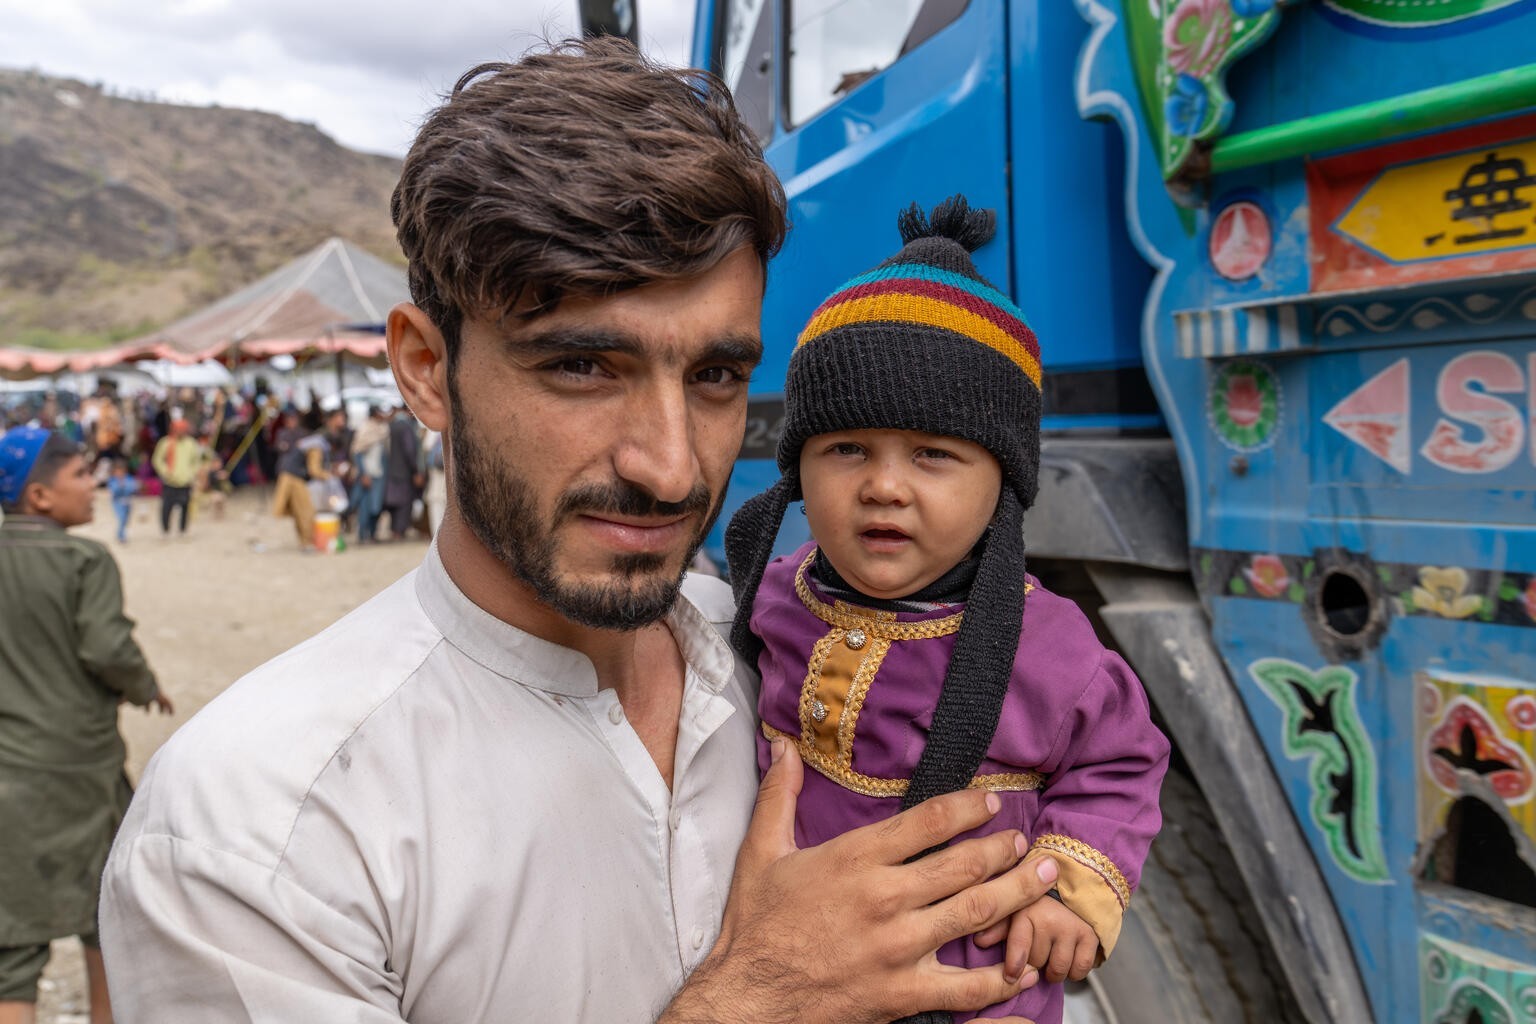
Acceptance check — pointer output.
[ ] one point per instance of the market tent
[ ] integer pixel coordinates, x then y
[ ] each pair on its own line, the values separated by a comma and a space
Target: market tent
332, 299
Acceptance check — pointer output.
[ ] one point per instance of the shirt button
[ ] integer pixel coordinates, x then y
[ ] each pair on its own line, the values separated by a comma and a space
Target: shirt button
616, 714
698, 938
675, 818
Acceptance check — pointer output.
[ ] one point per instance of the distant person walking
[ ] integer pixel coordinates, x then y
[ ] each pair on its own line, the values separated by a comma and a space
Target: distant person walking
302, 463
178, 457
67, 659
122, 487
370, 452
403, 479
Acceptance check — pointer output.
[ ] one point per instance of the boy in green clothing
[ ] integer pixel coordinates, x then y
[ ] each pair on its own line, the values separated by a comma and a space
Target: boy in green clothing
67, 659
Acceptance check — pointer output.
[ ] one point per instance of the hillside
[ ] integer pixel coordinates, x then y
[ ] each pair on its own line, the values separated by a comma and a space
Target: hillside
119, 215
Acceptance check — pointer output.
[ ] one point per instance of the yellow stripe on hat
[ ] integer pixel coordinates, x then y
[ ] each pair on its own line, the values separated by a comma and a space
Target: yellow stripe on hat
925, 312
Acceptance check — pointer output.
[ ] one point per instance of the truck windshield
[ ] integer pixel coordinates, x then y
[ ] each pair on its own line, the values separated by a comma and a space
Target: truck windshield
835, 45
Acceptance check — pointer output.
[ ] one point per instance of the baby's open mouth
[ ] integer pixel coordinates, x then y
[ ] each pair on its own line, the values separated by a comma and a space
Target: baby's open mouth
885, 535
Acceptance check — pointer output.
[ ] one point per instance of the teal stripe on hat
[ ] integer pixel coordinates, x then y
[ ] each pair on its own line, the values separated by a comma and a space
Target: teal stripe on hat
928, 272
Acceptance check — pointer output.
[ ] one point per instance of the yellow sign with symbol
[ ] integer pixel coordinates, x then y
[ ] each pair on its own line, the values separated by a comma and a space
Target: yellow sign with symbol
1472, 203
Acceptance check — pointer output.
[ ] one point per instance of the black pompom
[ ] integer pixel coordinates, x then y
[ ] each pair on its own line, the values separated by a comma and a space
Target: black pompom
953, 219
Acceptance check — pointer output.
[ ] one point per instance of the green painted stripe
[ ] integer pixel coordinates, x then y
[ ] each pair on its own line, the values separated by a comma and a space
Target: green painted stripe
1503, 92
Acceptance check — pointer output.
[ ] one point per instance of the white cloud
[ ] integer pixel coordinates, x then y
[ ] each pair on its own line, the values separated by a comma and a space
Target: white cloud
365, 71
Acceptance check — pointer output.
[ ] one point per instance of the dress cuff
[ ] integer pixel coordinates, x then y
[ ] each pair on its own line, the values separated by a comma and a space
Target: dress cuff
1091, 886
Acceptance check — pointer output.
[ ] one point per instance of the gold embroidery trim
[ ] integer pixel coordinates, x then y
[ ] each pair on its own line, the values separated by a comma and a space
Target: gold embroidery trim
874, 655
812, 679
868, 785
1088, 857
880, 625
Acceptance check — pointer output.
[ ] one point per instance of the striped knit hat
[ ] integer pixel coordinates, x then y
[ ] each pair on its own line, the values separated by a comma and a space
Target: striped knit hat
922, 342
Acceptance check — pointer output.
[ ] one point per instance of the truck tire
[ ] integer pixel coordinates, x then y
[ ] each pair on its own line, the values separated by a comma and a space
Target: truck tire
1192, 949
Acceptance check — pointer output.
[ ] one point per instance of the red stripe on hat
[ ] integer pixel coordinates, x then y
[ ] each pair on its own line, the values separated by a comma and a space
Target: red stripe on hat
999, 317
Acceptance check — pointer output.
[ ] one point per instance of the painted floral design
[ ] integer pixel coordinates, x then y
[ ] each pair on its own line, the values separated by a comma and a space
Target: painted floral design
1252, 8
1468, 740
1443, 591
1267, 576
1197, 35
1529, 598
1186, 106
1521, 712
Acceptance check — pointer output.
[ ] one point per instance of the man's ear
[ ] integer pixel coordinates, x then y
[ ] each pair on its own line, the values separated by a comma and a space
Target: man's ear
419, 358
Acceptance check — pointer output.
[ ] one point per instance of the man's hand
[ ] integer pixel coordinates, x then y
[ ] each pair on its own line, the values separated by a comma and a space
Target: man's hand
847, 931
161, 702
1047, 936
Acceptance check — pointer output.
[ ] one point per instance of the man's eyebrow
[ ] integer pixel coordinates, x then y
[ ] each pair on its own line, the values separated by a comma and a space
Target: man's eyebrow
568, 341
562, 341
735, 348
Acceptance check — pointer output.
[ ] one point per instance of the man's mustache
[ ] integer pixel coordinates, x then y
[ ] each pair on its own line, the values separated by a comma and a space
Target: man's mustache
625, 499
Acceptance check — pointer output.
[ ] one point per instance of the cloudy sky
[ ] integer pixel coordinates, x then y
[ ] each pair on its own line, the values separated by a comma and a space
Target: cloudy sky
365, 71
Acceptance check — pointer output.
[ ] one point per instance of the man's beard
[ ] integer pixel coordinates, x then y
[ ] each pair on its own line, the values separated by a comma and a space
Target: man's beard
499, 507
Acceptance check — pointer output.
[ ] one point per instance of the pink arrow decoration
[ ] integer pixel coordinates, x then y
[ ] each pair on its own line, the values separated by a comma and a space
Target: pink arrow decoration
1376, 417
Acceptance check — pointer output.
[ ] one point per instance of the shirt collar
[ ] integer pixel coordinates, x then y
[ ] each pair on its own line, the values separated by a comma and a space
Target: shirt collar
537, 663
17, 521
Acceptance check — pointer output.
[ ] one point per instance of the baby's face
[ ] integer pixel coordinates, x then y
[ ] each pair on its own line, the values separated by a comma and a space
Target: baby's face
896, 509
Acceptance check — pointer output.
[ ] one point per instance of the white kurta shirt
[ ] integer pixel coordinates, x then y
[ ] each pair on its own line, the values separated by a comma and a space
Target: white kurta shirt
424, 813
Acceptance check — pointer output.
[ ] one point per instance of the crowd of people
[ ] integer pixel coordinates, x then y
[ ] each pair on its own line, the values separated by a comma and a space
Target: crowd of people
190, 448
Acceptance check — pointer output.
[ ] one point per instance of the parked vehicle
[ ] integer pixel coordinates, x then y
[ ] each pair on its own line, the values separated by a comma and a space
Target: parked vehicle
1281, 259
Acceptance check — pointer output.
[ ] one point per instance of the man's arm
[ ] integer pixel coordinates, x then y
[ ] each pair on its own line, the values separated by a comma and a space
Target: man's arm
847, 931
192, 934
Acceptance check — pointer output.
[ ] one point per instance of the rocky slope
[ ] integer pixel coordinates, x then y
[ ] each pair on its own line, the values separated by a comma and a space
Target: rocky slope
117, 215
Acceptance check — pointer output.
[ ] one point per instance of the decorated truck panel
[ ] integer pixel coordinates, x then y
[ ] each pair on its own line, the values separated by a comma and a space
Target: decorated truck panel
1281, 259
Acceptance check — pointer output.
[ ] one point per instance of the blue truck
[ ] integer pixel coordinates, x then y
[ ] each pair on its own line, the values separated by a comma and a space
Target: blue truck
1281, 260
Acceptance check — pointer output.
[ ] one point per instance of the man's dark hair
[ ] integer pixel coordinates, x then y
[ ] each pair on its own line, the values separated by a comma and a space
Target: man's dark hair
56, 451
583, 170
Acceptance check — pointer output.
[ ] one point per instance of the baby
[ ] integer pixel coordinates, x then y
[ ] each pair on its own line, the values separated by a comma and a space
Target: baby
905, 652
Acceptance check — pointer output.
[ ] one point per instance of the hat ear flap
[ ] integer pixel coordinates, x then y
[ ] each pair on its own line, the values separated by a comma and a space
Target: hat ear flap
981, 665
748, 545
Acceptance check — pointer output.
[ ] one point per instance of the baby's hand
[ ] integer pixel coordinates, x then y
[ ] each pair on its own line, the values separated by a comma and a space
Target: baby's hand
1048, 936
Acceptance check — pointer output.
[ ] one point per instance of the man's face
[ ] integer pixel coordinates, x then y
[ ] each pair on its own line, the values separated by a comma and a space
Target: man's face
591, 446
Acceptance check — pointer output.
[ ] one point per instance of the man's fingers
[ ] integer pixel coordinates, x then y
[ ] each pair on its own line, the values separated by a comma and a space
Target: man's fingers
771, 833
932, 823
984, 905
948, 871
960, 989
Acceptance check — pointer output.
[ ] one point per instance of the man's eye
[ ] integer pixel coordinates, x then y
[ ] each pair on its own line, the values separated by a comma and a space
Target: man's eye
846, 448
576, 367
719, 375
935, 453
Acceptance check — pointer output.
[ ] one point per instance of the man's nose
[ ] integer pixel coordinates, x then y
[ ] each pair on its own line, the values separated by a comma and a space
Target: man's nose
656, 449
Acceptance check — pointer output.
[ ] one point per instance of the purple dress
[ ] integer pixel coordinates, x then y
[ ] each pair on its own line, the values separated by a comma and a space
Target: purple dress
1075, 760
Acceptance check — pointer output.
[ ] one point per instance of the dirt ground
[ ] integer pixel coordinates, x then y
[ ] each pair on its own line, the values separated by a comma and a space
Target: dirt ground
210, 607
